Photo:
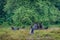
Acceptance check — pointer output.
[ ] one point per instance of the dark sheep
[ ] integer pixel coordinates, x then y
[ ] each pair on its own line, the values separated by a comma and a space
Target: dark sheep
18, 28
46, 27
41, 25
12, 28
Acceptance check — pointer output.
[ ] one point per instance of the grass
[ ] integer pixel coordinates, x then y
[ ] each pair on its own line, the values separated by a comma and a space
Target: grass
24, 34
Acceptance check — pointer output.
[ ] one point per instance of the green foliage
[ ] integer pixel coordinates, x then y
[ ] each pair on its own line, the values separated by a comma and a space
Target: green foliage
2, 14
26, 12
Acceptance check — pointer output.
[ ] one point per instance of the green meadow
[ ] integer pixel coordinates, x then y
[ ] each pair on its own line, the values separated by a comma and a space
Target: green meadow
24, 34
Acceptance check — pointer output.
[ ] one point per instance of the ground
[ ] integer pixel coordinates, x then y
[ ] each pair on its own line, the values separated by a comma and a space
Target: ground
24, 34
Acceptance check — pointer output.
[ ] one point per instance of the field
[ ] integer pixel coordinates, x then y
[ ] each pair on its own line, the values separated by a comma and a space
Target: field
24, 34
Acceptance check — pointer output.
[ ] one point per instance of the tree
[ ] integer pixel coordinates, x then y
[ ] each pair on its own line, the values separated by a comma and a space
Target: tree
2, 13
25, 12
